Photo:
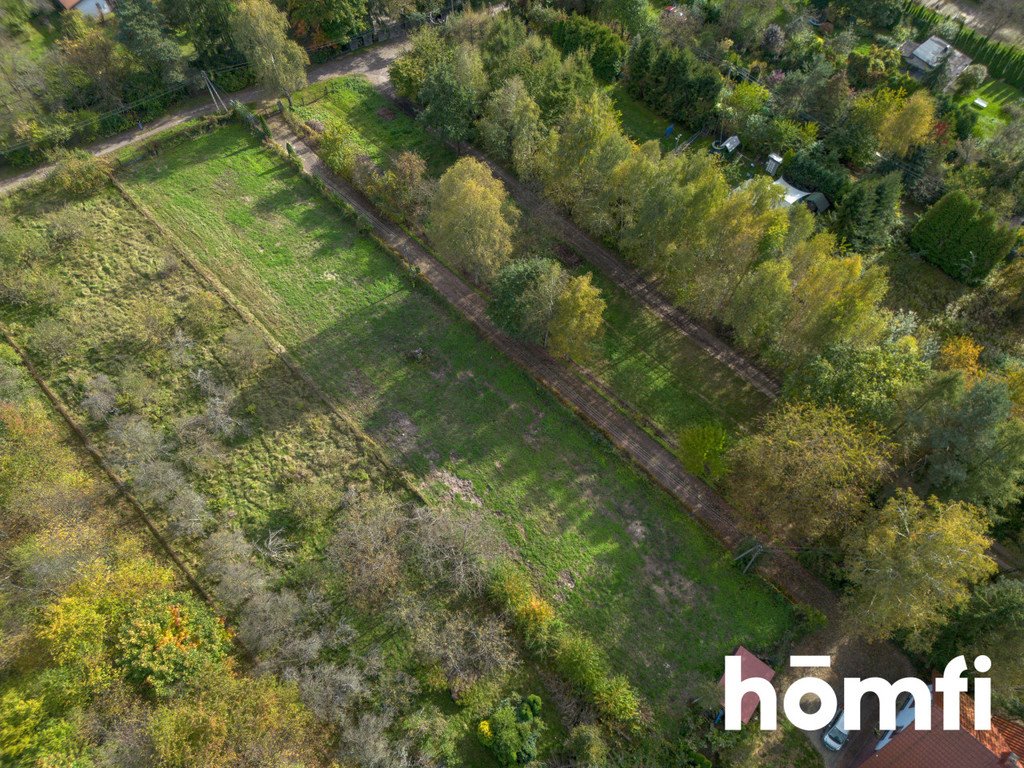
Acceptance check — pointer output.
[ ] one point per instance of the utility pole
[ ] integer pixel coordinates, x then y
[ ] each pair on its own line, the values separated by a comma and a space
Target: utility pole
218, 103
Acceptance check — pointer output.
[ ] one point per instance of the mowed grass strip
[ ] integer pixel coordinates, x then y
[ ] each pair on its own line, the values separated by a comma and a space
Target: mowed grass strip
645, 363
618, 557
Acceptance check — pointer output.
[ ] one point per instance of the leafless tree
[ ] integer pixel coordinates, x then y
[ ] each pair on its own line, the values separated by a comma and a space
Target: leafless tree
100, 399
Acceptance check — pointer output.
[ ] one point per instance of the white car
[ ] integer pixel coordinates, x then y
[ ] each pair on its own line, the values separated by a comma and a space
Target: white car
904, 717
835, 735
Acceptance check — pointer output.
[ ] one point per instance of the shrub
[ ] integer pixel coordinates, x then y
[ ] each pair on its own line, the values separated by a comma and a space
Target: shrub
167, 638
588, 746
77, 173
512, 729
702, 450
962, 238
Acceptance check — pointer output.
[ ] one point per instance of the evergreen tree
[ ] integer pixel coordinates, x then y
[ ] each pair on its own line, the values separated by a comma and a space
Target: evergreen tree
870, 212
140, 26
962, 237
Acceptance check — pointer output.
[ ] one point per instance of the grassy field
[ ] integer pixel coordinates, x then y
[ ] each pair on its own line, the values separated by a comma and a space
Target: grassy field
150, 324
998, 95
916, 285
618, 557
639, 121
643, 362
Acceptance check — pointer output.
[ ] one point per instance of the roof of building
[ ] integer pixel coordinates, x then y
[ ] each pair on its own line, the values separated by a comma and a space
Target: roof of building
933, 50
750, 666
963, 748
790, 193
1013, 734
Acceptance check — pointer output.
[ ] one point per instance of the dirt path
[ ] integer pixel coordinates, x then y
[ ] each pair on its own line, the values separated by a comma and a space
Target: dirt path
372, 62
650, 455
632, 281
852, 656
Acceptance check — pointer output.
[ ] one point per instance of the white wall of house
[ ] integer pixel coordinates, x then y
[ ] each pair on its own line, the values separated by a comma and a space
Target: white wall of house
93, 8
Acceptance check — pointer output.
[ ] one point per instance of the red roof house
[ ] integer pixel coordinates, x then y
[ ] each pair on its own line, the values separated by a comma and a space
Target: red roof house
964, 748
750, 666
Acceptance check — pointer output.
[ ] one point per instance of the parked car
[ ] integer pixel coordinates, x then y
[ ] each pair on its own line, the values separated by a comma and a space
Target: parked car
835, 735
904, 717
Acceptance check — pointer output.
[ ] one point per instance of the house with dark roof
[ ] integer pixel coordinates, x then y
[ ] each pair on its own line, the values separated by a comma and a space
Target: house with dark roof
932, 53
1000, 747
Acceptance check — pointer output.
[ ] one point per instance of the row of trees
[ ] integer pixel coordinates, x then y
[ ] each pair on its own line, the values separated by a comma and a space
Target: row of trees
728, 255
897, 458
472, 225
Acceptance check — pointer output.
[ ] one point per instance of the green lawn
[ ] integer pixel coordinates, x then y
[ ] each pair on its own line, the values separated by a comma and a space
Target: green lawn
998, 95
673, 383
640, 122
618, 557
376, 124
916, 285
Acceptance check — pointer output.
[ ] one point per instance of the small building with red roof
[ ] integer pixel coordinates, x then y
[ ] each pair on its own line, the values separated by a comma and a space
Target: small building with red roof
750, 666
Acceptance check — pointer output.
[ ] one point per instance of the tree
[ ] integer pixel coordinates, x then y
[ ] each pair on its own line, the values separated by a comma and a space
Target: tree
403, 191
807, 471
913, 561
512, 729
773, 39
206, 24
261, 33
962, 353
870, 212
451, 95
962, 237
166, 639
327, 20
523, 297
140, 27
972, 447
745, 21
427, 53
510, 127
471, 221
577, 318
910, 124
971, 78
879, 13
868, 382
990, 623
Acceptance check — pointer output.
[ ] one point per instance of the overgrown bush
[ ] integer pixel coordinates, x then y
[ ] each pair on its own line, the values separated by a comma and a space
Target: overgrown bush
168, 638
512, 729
77, 173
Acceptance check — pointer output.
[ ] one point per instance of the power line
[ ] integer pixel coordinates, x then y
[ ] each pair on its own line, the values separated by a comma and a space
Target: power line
78, 126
